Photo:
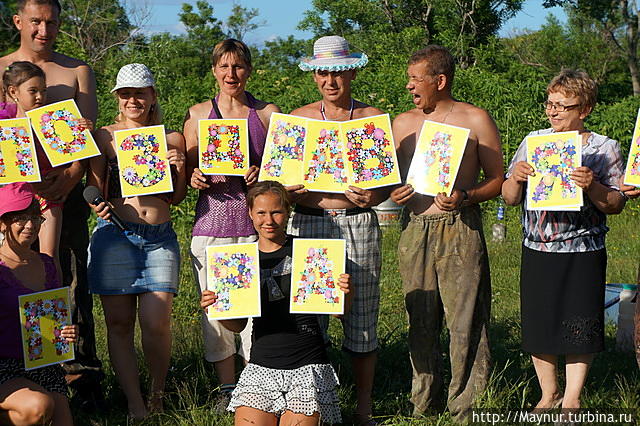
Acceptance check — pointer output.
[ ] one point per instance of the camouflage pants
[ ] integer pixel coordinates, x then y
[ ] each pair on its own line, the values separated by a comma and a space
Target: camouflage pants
445, 271
636, 321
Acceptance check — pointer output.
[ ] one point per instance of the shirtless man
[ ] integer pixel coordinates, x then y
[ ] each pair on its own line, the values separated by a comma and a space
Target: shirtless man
38, 22
348, 215
442, 252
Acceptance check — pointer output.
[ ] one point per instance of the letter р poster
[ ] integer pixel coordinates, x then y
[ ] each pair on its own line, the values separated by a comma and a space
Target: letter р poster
632, 172
554, 157
437, 158
58, 130
233, 274
18, 159
371, 154
223, 146
325, 157
142, 161
282, 160
317, 265
42, 316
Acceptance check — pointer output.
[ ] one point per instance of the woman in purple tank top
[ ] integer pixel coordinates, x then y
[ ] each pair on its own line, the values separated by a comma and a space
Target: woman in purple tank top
221, 211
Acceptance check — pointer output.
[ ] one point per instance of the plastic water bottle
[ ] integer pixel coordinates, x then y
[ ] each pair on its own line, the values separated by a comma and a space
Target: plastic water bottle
499, 229
626, 311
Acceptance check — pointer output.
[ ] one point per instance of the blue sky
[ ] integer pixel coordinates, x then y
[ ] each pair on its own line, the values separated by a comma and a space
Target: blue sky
282, 17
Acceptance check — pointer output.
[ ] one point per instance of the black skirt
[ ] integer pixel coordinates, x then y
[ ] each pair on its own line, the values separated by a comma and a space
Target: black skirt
562, 301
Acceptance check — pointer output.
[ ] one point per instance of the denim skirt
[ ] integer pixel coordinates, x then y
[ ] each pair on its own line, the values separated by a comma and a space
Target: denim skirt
145, 258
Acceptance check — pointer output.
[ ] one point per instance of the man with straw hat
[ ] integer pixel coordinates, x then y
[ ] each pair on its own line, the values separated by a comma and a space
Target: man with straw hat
348, 215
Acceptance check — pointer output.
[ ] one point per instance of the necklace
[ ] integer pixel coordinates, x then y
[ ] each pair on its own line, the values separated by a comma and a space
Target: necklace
324, 117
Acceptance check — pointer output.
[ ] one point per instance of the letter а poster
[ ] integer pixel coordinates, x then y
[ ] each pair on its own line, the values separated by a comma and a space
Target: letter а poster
317, 265
282, 160
18, 159
371, 154
223, 147
42, 316
632, 172
142, 161
325, 158
437, 157
233, 273
57, 128
554, 157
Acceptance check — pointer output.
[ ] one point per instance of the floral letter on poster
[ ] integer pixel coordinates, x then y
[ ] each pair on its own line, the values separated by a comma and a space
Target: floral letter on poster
284, 149
554, 157
325, 158
371, 153
632, 173
18, 160
43, 315
142, 161
58, 130
223, 147
437, 158
233, 274
317, 265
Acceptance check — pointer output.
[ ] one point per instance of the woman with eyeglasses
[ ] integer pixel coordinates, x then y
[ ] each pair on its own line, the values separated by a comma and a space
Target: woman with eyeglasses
562, 275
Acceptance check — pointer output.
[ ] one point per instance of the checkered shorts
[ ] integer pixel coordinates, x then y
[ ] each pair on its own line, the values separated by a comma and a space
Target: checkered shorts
362, 233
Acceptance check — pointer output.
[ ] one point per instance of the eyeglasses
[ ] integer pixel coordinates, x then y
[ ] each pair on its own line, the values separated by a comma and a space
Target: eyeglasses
24, 218
558, 107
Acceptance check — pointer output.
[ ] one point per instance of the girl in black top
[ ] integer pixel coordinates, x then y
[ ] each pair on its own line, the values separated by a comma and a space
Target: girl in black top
288, 379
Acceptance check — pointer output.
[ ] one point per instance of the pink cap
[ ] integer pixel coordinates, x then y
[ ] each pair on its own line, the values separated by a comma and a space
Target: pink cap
15, 197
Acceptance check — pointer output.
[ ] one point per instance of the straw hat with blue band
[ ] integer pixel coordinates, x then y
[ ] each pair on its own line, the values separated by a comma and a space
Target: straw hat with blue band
331, 53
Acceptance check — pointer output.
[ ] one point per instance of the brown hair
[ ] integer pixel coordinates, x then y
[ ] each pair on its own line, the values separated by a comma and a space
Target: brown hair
19, 72
269, 186
233, 46
438, 60
34, 208
54, 3
575, 83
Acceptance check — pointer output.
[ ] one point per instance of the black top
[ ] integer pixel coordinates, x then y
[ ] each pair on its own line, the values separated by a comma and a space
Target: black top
282, 340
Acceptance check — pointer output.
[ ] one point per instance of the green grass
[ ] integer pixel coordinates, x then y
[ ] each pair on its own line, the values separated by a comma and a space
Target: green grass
613, 382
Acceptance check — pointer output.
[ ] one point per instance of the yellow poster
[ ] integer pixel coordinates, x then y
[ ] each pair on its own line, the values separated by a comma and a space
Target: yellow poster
282, 160
325, 158
18, 159
317, 265
142, 161
43, 315
554, 157
371, 154
437, 157
57, 128
223, 147
233, 274
632, 172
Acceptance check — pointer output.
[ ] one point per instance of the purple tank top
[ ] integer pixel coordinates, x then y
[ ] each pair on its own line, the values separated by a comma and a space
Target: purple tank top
8, 110
221, 210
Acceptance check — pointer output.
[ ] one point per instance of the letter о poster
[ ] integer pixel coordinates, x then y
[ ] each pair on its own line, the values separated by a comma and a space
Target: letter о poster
283, 152
223, 147
233, 274
42, 317
18, 159
58, 130
632, 172
317, 265
554, 157
437, 158
142, 161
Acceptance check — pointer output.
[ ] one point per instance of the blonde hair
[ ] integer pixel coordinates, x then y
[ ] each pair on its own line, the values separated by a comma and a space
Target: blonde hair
575, 83
155, 111
269, 187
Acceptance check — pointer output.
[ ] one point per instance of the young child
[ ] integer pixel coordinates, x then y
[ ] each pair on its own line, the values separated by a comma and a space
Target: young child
35, 396
288, 379
24, 83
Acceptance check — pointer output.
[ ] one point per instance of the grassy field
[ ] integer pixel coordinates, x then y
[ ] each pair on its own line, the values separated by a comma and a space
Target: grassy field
192, 386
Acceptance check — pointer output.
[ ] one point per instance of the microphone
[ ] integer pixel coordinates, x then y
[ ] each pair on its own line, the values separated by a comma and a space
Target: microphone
92, 196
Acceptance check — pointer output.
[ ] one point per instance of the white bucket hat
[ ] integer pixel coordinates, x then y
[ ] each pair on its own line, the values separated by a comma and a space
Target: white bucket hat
331, 53
134, 75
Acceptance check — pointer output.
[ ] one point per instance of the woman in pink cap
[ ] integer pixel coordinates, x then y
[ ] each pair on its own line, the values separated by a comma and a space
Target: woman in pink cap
36, 396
